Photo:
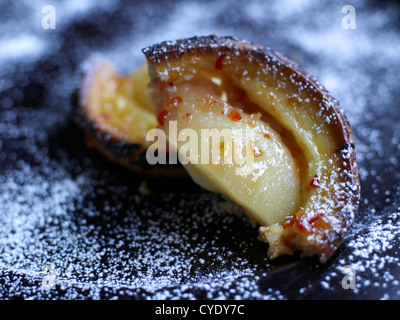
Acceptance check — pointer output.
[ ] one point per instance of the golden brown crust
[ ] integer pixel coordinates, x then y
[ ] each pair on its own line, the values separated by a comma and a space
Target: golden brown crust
329, 207
111, 143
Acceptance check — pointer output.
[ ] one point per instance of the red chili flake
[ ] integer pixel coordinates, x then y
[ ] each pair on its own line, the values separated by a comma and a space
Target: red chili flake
220, 59
300, 225
267, 136
305, 223
313, 219
234, 115
176, 100
162, 116
315, 182
287, 224
256, 151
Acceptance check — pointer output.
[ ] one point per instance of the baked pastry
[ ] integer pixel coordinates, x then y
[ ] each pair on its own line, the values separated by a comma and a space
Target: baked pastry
116, 113
302, 185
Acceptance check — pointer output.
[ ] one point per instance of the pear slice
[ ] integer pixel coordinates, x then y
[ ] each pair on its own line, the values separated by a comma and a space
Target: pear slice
319, 205
234, 153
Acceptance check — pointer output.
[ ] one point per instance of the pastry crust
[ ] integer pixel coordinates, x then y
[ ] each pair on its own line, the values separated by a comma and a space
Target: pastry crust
301, 105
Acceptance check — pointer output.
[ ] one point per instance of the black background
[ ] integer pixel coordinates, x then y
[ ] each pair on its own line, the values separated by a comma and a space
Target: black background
98, 231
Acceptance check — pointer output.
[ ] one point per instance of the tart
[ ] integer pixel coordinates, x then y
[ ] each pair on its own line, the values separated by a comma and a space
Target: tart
300, 185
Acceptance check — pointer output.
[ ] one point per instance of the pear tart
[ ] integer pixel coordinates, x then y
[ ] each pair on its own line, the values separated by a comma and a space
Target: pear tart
301, 186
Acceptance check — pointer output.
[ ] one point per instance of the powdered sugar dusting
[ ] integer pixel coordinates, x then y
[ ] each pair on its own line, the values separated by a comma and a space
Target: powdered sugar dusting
373, 260
70, 217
